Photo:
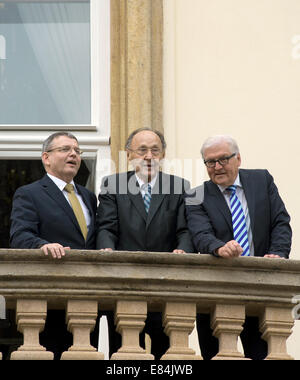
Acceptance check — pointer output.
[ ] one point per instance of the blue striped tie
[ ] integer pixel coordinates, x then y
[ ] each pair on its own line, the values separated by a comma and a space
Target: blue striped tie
147, 196
238, 221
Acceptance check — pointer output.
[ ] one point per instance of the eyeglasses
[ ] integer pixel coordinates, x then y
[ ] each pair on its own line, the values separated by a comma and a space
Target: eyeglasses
143, 151
221, 161
67, 149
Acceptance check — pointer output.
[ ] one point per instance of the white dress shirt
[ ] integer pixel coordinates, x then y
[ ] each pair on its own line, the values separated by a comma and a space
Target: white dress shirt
142, 184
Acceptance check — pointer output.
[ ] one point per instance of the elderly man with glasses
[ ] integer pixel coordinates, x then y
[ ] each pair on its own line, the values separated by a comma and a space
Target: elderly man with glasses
239, 212
143, 210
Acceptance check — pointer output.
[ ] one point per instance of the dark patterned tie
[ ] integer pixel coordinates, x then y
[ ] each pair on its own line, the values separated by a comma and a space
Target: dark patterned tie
147, 196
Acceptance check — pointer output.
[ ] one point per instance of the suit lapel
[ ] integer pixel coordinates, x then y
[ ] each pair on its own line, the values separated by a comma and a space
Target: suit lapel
54, 192
158, 195
220, 202
81, 190
135, 195
249, 190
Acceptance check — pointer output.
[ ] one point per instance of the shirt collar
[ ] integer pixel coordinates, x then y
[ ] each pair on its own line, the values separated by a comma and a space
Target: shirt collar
141, 182
59, 182
236, 183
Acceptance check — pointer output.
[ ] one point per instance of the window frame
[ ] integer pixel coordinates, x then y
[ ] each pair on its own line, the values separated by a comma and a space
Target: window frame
100, 75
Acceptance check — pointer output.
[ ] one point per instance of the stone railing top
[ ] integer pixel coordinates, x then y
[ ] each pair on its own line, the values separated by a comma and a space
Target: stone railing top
154, 276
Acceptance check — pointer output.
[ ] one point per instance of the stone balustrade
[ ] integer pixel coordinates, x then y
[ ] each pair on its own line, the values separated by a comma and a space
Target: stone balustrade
132, 283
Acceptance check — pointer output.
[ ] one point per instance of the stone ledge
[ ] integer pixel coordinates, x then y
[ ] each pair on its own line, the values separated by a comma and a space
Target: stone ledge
177, 285
151, 275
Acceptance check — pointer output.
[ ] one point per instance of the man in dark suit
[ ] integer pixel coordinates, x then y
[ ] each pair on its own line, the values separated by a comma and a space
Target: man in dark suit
45, 215
214, 223
124, 221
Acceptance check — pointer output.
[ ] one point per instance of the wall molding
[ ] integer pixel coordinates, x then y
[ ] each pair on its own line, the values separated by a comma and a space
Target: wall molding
136, 69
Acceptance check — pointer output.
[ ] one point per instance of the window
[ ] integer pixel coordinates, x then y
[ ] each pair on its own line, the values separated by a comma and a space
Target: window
45, 62
55, 75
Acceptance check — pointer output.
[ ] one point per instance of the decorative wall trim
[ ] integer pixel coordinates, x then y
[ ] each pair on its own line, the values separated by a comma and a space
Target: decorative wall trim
136, 68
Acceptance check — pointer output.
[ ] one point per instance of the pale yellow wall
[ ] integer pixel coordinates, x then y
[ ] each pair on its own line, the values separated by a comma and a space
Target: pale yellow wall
233, 67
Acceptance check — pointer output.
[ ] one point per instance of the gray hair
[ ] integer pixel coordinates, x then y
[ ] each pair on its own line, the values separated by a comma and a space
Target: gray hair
218, 139
159, 134
48, 142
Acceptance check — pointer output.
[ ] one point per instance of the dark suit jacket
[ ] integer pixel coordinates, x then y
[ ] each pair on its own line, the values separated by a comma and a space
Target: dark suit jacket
41, 214
123, 224
209, 217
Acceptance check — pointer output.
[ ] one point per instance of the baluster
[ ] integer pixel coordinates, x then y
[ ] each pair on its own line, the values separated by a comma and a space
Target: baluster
179, 321
30, 318
227, 324
130, 319
81, 319
276, 326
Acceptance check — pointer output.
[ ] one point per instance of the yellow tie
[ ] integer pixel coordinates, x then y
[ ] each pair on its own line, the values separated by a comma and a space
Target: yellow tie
77, 209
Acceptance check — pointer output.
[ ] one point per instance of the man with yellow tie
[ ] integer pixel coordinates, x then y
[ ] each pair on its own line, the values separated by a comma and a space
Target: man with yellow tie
56, 215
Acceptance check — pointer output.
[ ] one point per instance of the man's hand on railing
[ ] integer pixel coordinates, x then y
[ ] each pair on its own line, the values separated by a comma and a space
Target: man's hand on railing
178, 251
57, 250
